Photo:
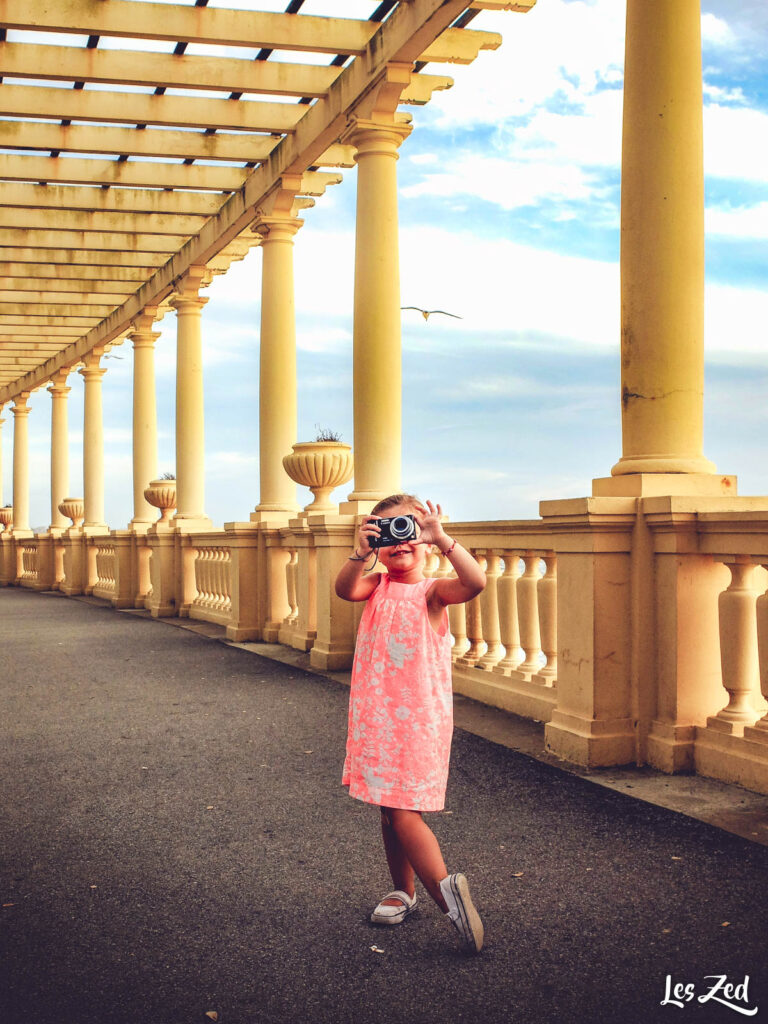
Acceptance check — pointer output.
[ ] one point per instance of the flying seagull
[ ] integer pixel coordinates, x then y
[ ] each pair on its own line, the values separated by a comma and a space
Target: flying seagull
427, 313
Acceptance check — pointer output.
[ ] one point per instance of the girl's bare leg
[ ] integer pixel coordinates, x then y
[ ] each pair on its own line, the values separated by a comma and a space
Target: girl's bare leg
412, 847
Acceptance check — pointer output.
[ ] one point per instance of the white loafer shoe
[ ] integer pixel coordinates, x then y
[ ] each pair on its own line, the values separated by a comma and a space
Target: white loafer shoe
388, 914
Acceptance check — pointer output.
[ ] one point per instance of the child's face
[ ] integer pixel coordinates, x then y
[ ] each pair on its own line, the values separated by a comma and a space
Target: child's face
406, 558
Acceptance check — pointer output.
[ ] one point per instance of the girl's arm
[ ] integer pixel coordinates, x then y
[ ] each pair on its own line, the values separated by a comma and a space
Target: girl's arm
351, 584
470, 577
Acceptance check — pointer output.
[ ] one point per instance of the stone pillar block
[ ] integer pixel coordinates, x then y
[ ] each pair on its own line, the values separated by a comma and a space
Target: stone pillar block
73, 542
304, 631
161, 601
594, 722
334, 647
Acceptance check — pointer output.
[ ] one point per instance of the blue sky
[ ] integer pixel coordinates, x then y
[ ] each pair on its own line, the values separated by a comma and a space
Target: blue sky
509, 216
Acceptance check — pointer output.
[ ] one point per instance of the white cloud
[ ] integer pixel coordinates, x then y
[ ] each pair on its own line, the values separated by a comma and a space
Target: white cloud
734, 143
716, 31
738, 222
735, 321
558, 49
497, 285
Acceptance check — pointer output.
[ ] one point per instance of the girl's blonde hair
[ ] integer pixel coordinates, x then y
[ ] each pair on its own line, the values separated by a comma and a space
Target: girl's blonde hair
396, 499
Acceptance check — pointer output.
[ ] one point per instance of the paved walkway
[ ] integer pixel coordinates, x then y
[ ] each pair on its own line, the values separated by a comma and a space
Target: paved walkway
175, 842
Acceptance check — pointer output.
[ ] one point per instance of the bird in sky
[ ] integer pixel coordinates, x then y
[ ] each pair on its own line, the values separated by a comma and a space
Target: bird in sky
427, 313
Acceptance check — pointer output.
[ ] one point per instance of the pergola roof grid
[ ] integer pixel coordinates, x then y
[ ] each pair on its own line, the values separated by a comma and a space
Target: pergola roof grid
167, 123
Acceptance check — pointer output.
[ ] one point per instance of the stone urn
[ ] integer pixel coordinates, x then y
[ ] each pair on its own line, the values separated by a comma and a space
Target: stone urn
320, 466
6, 517
162, 494
74, 509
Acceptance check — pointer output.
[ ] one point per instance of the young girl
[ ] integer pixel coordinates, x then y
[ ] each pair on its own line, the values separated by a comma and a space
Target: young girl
401, 704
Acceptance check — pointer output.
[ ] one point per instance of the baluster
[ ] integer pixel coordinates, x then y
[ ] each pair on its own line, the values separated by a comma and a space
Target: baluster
509, 629
221, 578
201, 582
215, 564
490, 605
738, 650
457, 619
547, 597
528, 614
474, 618
228, 580
761, 615
432, 564
291, 575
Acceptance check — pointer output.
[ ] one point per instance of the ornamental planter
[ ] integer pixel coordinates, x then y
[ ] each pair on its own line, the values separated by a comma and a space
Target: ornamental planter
6, 518
74, 509
162, 494
320, 466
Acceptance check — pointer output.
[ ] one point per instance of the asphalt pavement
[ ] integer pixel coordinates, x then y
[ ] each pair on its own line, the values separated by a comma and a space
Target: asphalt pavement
176, 848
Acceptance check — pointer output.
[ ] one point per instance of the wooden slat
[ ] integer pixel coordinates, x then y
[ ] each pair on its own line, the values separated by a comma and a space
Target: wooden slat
171, 71
192, 25
91, 197
150, 142
118, 241
139, 108
81, 220
112, 172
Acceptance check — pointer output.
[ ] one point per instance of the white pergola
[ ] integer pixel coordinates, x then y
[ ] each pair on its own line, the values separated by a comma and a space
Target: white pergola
139, 140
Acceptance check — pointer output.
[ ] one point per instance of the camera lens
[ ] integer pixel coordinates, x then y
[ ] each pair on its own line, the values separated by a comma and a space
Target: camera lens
400, 527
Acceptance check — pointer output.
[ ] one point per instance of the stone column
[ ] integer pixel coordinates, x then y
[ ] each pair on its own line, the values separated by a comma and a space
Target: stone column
190, 432
662, 241
20, 462
2, 421
144, 414
277, 364
93, 443
59, 448
377, 359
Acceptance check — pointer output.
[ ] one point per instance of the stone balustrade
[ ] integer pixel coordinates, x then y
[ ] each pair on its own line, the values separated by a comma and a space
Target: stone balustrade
703, 633
213, 581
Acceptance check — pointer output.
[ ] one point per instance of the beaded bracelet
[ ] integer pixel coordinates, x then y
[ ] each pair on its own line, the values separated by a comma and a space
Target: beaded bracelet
450, 549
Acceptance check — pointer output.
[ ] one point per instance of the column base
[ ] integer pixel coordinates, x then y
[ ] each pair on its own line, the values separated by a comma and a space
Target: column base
322, 657
650, 485
593, 743
191, 524
670, 747
672, 464
358, 507
273, 517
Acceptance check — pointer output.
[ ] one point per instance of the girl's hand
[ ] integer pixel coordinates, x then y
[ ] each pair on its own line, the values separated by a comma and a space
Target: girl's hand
431, 529
368, 528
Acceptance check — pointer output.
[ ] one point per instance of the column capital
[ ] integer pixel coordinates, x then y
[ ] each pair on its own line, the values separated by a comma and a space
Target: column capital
58, 385
92, 370
277, 228
375, 136
20, 407
142, 324
187, 288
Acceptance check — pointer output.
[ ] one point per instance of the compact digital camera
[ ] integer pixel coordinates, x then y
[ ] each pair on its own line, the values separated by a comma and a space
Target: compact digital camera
394, 531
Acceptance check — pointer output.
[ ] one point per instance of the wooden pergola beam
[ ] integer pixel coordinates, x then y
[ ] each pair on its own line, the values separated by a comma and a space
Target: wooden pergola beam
170, 71
61, 272
78, 257
27, 289
175, 22
117, 241
81, 220
156, 142
94, 197
140, 108
149, 174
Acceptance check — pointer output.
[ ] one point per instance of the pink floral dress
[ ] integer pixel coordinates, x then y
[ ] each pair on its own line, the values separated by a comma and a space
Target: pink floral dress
401, 702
